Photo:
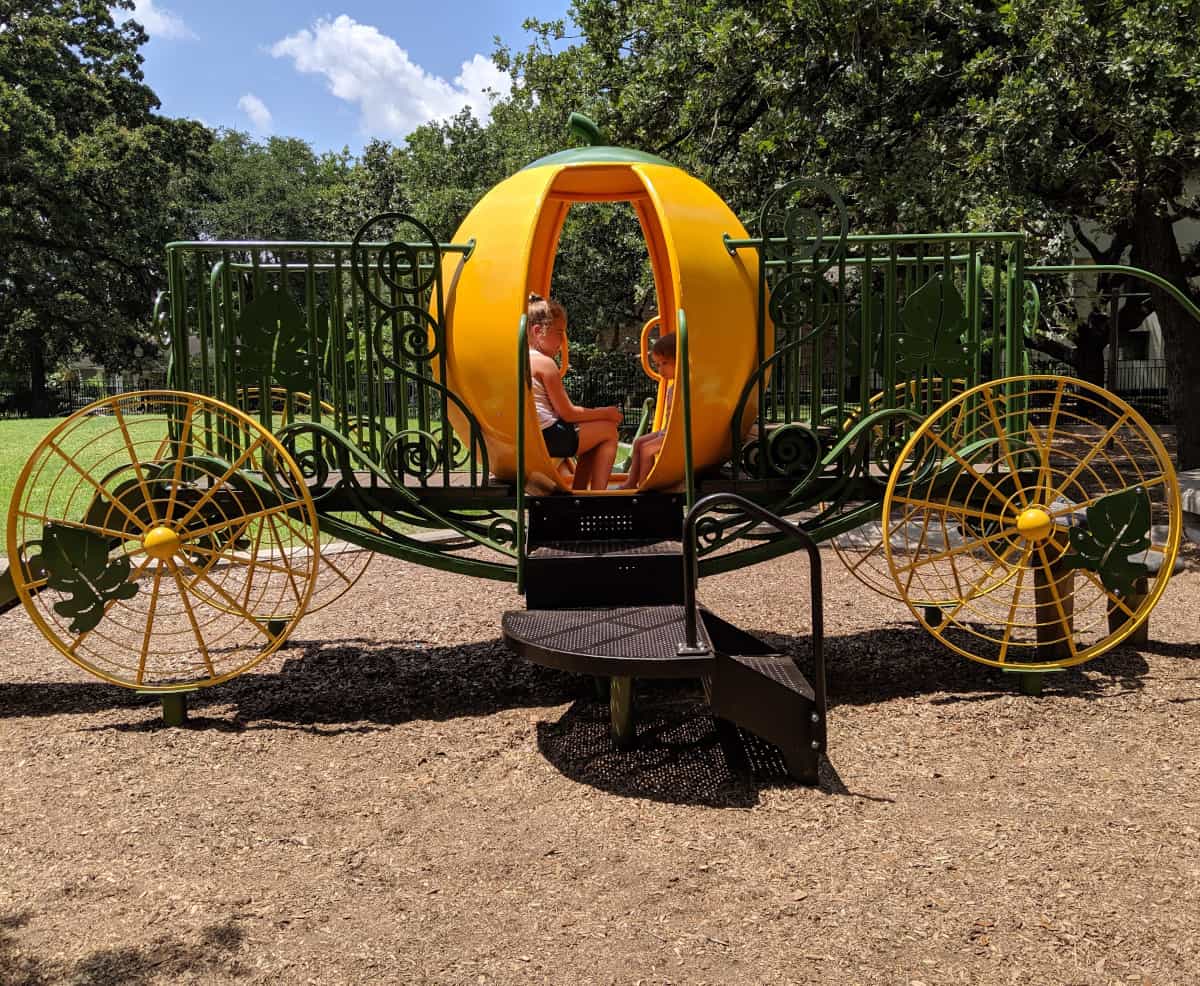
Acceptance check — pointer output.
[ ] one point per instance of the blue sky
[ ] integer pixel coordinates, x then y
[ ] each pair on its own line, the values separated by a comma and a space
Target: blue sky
334, 75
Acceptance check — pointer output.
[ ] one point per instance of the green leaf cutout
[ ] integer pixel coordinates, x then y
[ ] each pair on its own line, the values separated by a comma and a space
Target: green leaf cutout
933, 321
852, 348
1118, 526
76, 562
274, 341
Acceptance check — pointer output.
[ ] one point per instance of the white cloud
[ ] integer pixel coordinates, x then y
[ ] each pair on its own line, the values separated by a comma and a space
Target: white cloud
394, 95
158, 22
257, 110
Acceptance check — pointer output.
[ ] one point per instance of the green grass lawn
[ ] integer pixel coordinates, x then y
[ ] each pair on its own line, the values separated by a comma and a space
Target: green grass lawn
93, 439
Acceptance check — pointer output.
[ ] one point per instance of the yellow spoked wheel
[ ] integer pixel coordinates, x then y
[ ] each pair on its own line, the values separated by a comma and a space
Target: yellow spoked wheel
163, 540
861, 549
1033, 522
341, 564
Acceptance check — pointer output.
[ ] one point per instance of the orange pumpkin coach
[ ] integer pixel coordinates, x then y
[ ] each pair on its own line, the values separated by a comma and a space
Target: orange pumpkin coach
330, 400
515, 230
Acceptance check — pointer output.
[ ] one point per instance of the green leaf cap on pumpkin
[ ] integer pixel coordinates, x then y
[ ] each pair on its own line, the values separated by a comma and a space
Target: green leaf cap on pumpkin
597, 152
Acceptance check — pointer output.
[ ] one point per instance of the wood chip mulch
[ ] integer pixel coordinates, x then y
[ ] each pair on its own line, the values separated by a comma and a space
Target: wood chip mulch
394, 798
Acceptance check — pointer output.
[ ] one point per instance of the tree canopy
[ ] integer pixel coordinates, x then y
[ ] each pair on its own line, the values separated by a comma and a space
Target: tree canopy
92, 183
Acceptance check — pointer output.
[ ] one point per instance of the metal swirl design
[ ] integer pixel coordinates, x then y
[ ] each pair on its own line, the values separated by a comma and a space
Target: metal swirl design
794, 451
803, 298
398, 263
794, 230
412, 452
420, 339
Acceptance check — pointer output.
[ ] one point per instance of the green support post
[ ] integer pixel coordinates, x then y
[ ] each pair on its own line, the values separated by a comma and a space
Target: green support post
174, 705
620, 710
1029, 682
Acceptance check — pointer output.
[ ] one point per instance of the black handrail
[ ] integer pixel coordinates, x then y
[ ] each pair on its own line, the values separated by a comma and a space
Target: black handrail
691, 576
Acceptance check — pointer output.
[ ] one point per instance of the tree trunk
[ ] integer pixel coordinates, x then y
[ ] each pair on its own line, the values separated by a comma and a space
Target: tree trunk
1090, 338
1156, 249
39, 405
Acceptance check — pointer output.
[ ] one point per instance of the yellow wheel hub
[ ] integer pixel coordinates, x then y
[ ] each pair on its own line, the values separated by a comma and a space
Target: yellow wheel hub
161, 543
1035, 524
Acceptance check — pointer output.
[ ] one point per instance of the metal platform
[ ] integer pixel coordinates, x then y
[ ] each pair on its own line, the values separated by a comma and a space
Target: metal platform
634, 641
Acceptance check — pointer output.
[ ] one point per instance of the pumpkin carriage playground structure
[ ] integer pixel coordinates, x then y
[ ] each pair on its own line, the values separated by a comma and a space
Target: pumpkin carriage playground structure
865, 390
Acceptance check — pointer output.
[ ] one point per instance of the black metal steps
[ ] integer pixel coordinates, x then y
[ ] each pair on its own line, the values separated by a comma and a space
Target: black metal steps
766, 694
606, 594
604, 551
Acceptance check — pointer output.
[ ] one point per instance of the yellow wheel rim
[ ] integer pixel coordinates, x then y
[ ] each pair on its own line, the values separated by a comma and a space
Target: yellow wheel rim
163, 540
980, 513
861, 549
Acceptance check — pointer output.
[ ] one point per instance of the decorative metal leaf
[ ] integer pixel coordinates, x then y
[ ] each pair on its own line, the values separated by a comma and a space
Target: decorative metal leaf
274, 340
77, 563
934, 322
1118, 526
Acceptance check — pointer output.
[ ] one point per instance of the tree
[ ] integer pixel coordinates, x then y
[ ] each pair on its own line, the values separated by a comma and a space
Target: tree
276, 190
92, 184
1093, 109
928, 114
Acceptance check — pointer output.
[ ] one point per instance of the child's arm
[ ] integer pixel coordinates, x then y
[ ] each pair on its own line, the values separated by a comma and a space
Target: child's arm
546, 370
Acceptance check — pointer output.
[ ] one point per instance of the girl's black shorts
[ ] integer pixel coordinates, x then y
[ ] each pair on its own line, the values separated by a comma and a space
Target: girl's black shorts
561, 439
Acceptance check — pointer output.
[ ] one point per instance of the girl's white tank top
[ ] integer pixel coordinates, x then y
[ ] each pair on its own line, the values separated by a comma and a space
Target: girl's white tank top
541, 402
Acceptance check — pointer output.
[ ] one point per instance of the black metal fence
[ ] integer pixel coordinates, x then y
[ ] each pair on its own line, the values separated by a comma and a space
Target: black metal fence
1140, 383
66, 398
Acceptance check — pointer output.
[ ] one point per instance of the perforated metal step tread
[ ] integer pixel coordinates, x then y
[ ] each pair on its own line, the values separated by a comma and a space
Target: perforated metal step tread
576, 549
779, 668
642, 641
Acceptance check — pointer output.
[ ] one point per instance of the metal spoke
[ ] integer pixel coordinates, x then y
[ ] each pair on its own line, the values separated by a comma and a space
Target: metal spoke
1052, 585
141, 670
1002, 436
964, 511
187, 605
1067, 511
80, 525
236, 607
965, 548
1012, 610
1091, 454
177, 477
133, 458
974, 592
969, 467
220, 482
243, 519
106, 494
283, 553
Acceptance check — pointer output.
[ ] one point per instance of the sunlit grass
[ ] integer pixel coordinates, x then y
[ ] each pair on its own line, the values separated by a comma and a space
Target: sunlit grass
20, 436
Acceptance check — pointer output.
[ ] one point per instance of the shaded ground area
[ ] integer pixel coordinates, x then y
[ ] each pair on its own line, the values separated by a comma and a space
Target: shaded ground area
395, 799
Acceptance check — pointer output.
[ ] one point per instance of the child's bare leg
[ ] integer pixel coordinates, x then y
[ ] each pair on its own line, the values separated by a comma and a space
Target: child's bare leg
602, 463
597, 452
635, 464
583, 470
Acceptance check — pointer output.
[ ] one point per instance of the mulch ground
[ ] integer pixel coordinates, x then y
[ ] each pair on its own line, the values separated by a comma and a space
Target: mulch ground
394, 798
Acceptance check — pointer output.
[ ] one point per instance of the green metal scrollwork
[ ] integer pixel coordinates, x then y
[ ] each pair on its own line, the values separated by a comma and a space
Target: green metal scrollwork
404, 282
